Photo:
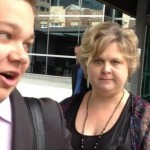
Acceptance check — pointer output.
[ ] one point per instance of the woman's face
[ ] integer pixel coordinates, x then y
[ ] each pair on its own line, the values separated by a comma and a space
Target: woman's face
108, 72
16, 36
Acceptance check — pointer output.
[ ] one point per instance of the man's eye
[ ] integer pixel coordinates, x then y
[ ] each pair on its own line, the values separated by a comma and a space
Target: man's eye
27, 46
5, 36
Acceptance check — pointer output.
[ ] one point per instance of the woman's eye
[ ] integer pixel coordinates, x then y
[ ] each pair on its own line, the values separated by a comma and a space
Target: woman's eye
97, 61
116, 62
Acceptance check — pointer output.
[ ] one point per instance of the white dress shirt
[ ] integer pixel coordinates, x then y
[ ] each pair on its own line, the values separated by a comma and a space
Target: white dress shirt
5, 125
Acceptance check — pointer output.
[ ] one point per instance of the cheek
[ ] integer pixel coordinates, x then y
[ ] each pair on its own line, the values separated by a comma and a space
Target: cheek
122, 75
92, 71
3, 52
25, 66
126, 71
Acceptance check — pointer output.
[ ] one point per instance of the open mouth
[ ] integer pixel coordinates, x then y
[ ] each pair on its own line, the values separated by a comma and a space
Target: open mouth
9, 76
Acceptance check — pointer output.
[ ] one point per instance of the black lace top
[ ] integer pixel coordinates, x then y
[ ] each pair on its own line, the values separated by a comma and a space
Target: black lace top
109, 140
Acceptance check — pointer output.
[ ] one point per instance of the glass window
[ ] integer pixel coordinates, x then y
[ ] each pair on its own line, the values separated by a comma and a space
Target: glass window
59, 25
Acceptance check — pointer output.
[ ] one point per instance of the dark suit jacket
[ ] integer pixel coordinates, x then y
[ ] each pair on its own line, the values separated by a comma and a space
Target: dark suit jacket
84, 87
57, 136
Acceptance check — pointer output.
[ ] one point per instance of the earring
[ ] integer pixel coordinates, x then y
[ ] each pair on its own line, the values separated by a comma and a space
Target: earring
88, 82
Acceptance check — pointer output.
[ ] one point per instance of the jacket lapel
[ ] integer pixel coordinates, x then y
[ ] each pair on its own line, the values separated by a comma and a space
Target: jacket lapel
22, 135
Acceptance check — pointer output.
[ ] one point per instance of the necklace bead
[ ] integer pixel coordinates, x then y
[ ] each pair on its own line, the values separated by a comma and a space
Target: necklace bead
100, 135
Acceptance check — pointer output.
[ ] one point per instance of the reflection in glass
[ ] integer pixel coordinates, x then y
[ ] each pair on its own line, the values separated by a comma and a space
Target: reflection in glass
59, 25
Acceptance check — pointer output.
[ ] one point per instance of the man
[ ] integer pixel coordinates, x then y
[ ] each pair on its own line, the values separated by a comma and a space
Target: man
16, 128
79, 82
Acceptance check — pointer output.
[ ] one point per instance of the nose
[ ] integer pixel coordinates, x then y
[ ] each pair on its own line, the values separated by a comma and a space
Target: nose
18, 54
106, 68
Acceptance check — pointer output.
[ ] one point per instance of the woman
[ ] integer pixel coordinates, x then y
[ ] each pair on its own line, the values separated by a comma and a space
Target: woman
108, 117
16, 122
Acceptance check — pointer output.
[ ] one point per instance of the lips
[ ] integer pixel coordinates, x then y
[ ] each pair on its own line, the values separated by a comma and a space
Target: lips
8, 79
9, 76
105, 79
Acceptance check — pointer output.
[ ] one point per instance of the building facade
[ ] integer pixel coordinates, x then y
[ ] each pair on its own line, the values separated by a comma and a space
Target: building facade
59, 25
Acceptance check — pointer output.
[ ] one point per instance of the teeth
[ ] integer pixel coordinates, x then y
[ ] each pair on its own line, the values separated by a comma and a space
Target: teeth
9, 74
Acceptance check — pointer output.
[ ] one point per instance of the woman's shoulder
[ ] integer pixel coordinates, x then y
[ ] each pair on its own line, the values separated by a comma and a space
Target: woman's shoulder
140, 102
142, 113
140, 107
72, 100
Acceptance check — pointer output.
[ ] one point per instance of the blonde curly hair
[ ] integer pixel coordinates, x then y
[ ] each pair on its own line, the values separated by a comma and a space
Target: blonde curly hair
96, 39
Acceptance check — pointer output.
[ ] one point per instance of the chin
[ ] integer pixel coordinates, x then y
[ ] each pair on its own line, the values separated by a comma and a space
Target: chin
5, 93
106, 88
3, 97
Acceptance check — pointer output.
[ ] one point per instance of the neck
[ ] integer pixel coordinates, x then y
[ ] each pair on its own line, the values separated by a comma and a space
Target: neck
98, 100
105, 126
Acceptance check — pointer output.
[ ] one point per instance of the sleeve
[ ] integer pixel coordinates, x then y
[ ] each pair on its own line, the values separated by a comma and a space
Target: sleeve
145, 128
65, 104
57, 135
66, 132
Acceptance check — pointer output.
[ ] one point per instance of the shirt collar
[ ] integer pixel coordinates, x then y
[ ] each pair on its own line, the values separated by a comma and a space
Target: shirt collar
5, 110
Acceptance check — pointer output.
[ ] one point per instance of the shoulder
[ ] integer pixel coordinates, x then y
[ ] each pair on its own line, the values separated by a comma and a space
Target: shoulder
47, 102
55, 124
139, 106
141, 109
76, 66
51, 113
71, 101
50, 108
139, 103
44, 101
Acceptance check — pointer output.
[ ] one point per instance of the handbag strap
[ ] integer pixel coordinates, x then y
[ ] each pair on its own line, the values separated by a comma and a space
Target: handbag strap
37, 121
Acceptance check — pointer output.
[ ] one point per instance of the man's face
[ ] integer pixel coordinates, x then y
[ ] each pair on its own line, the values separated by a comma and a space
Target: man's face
16, 36
77, 53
